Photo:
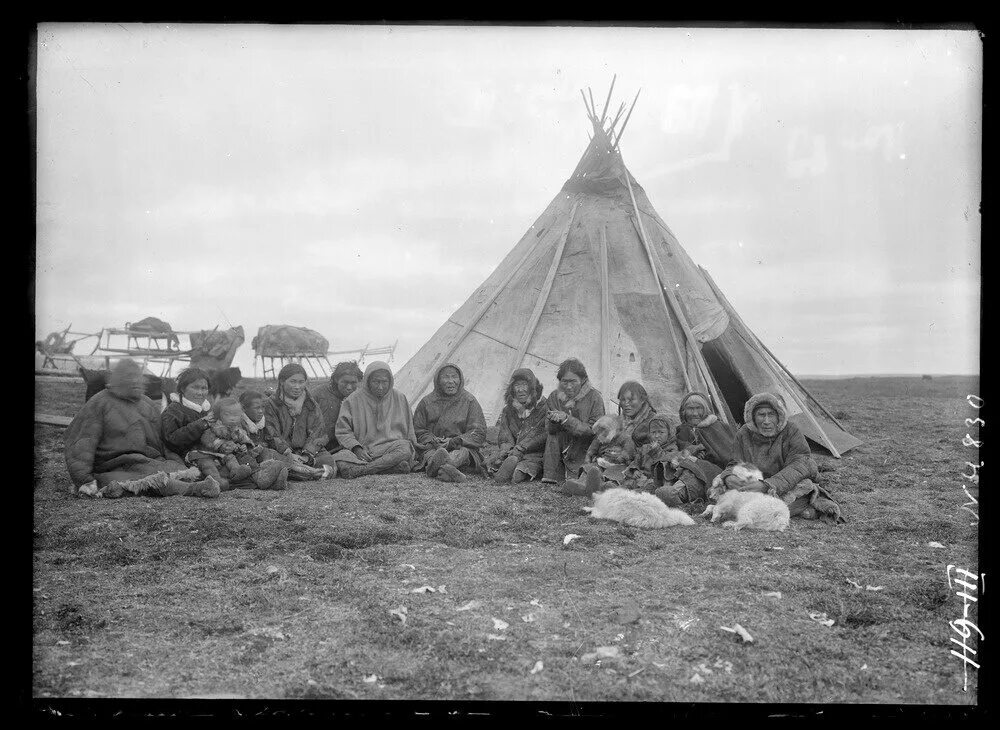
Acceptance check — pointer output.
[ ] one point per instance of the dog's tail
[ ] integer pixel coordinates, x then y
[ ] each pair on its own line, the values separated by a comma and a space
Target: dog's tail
675, 518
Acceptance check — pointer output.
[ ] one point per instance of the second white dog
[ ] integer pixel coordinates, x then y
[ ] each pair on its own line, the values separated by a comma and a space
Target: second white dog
750, 509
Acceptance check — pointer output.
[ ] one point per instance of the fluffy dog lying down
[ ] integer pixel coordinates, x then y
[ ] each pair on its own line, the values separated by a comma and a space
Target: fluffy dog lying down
754, 510
638, 509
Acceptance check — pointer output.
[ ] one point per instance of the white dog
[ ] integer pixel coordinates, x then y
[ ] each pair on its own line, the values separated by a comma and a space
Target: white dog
748, 509
638, 509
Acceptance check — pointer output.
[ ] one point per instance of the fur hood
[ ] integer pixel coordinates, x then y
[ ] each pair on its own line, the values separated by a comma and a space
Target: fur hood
709, 419
375, 366
771, 399
437, 381
534, 385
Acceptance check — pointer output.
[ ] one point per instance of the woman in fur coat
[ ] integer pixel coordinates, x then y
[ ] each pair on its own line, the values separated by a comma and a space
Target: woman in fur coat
294, 424
521, 430
574, 407
777, 447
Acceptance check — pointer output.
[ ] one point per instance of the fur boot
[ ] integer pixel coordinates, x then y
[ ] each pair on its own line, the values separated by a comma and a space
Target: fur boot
450, 473
267, 474
151, 485
505, 473
438, 459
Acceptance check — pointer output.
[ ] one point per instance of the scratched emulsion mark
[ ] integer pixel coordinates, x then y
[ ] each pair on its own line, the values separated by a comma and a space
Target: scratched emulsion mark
971, 584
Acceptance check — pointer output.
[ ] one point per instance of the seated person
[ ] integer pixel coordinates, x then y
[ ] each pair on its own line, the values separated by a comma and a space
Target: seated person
450, 428
344, 380
650, 467
636, 411
777, 447
114, 446
520, 431
294, 424
573, 408
607, 457
375, 428
706, 447
227, 453
253, 424
188, 413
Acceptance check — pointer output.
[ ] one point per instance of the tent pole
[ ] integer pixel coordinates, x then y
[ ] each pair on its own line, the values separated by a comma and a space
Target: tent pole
608, 100
605, 316
666, 310
675, 305
477, 315
718, 292
543, 295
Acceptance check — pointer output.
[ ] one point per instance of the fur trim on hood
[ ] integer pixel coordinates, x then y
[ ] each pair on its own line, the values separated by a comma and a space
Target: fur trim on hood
697, 395
533, 385
375, 366
761, 399
437, 381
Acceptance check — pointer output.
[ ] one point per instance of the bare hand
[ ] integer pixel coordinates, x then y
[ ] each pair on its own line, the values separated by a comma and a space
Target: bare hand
298, 458
227, 447
362, 453
209, 418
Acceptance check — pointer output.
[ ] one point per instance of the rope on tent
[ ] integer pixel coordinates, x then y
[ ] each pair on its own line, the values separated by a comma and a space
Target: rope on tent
692, 342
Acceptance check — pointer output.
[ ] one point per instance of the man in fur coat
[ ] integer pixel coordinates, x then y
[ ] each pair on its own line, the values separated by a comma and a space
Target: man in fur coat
777, 447
574, 407
375, 427
706, 447
450, 427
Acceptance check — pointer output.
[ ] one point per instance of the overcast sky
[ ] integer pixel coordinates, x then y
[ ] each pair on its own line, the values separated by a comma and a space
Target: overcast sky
363, 181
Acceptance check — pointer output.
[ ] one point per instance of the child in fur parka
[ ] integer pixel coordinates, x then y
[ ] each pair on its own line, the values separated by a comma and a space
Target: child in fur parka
253, 424
607, 456
229, 455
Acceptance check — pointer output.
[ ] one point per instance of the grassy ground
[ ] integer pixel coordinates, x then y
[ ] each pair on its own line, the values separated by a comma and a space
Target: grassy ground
289, 594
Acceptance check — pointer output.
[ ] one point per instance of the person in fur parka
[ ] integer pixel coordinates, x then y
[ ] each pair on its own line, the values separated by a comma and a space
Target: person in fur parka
521, 430
574, 407
705, 448
777, 447
450, 427
114, 446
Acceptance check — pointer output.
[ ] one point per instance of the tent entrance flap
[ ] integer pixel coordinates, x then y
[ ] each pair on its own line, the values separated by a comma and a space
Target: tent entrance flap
733, 390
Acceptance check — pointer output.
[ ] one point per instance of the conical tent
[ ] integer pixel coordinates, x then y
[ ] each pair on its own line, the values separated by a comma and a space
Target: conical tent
599, 276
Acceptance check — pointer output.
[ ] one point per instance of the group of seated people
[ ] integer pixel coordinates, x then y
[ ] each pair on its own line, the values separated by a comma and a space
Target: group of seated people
358, 424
